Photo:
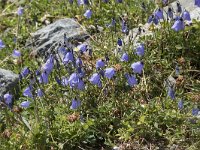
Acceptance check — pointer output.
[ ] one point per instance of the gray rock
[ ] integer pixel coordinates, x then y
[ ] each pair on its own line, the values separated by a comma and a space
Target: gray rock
8, 81
53, 34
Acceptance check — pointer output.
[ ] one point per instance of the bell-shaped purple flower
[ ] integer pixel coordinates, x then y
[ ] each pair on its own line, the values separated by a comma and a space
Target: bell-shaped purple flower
95, 79
180, 104
131, 80
40, 93
159, 13
8, 98
81, 72
25, 72
179, 8
1, 44
124, 27
69, 57
125, 57
79, 62
119, 42
80, 85
178, 25
140, 50
100, 63
82, 48
25, 104
195, 111
58, 80
44, 78
75, 104
62, 50
153, 19
171, 93
88, 14
186, 15
20, 11
16, 53
27, 92
170, 13
137, 67
73, 80
109, 72
197, 2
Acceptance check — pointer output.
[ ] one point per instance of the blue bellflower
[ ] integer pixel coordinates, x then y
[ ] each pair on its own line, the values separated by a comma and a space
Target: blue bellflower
25, 71
75, 104
95, 79
197, 2
153, 19
8, 98
16, 53
20, 11
73, 80
80, 85
88, 14
170, 13
79, 62
140, 50
124, 57
137, 67
44, 78
27, 92
186, 15
82, 48
100, 63
171, 93
195, 111
109, 72
119, 42
1, 44
159, 13
25, 104
69, 57
131, 80
178, 25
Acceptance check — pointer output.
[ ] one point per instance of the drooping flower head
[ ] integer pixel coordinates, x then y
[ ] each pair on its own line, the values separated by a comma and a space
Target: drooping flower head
88, 14
100, 63
8, 98
44, 78
27, 92
197, 2
20, 11
186, 15
95, 79
179, 8
119, 42
1, 44
25, 104
69, 57
16, 53
79, 62
137, 67
125, 57
25, 71
75, 104
109, 72
80, 85
159, 13
195, 111
140, 50
178, 25
125, 27
171, 93
153, 19
170, 13
131, 80
73, 80
82, 48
